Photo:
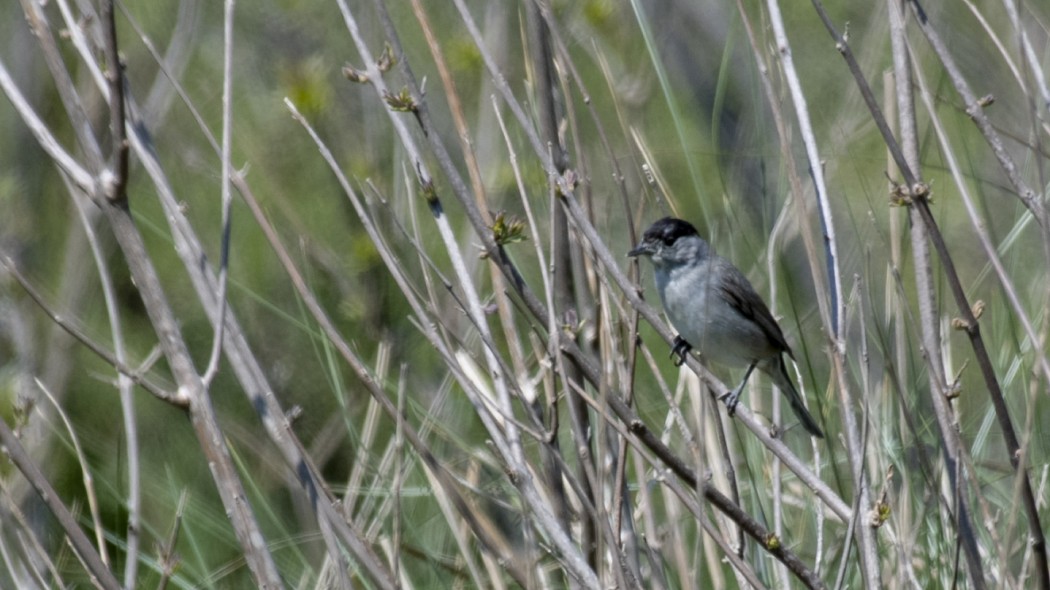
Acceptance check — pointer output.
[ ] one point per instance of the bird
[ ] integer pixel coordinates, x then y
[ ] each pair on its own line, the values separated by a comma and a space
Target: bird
717, 312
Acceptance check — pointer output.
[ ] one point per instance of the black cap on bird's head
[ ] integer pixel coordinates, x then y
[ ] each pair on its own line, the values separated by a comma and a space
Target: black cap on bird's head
662, 233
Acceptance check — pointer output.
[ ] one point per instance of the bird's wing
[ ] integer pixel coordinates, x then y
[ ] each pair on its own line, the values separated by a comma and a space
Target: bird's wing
742, 297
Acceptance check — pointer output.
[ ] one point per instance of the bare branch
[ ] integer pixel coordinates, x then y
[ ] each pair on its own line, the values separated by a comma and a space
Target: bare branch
11, 447
116, 181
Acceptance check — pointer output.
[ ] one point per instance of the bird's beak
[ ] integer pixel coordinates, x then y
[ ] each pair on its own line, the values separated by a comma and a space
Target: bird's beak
642, 249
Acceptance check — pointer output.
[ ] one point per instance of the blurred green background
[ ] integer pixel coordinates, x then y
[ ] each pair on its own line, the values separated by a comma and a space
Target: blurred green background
707, 137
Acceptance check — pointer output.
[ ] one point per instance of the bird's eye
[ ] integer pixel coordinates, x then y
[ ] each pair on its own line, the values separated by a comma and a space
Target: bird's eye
668, 240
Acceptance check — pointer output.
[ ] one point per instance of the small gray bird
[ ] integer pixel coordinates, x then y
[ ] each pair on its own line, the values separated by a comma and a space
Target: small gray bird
716, 311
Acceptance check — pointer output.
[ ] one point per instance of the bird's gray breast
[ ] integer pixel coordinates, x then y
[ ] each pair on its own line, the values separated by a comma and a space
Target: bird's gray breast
693, 302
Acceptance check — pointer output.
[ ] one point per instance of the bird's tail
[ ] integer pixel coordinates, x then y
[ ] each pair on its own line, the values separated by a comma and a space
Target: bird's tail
778, 371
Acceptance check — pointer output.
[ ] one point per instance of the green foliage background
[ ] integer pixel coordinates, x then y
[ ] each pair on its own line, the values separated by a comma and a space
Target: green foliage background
708, 137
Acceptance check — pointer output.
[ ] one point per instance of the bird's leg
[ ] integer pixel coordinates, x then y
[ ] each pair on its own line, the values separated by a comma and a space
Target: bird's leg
733, 397
680, 348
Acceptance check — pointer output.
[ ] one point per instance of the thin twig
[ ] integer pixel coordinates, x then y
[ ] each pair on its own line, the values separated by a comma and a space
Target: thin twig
979, 227
767, 540
975, 110
108, 191
244, 363
10, 446
850, 431
74, 107
85, 474
563, 300
115, 182
168, 559
930, 326
352, 359
48, 142
124, 385
508, 440
917, 193
28, 543
227, 198
135, 375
